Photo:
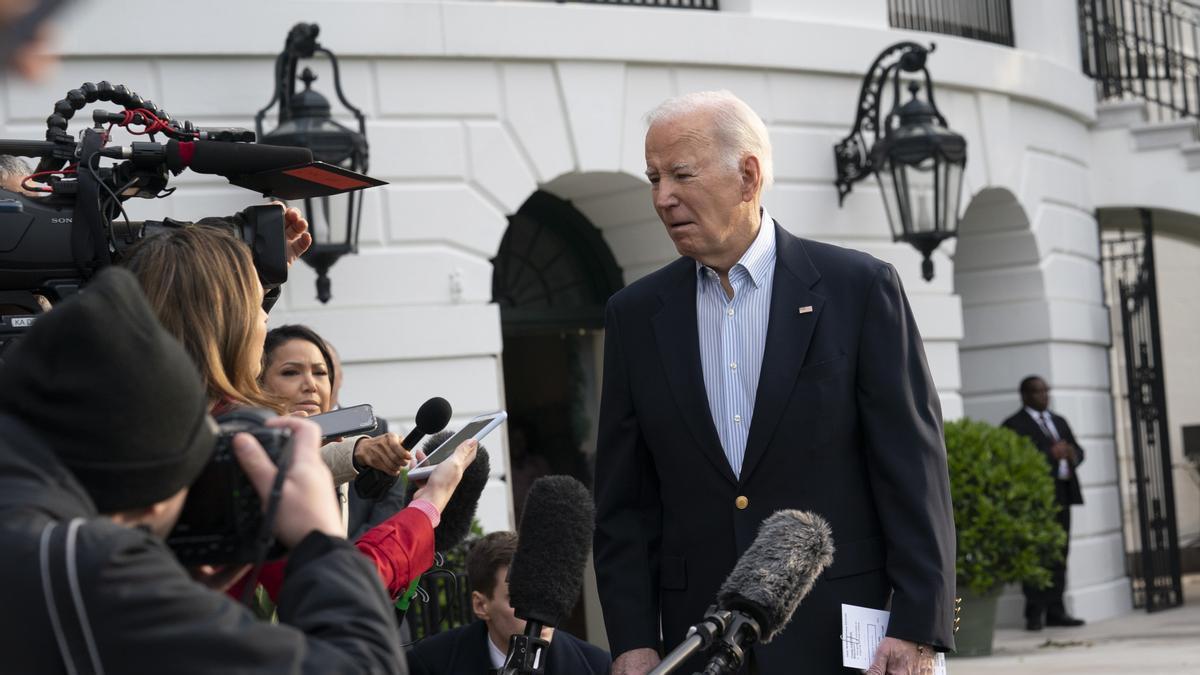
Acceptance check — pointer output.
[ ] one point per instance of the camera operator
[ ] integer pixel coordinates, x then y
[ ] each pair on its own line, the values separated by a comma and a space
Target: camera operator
102, 412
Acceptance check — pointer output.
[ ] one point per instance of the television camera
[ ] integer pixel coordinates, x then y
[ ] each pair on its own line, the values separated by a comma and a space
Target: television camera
71, 221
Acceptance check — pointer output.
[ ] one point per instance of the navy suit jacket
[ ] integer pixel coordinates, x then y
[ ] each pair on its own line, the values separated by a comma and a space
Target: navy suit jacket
464, 651
1023, 424
846, 424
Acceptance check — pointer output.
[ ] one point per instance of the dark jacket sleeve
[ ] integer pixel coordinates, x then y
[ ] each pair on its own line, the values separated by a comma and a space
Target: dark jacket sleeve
628, 510
150, 617
906, 457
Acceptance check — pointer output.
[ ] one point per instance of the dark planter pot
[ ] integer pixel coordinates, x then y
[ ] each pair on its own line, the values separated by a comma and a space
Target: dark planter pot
977, 625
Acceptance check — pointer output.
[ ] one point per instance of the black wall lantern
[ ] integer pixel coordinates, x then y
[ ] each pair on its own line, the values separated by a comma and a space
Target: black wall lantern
304, 121
918, 161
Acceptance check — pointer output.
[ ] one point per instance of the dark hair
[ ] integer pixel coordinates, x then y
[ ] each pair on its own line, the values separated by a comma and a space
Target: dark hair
488, 555
294, 331
1028, 382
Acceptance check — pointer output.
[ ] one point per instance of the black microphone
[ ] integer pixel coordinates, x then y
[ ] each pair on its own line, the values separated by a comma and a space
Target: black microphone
432, 417
762, 592
546, 574
233, 159
456, 519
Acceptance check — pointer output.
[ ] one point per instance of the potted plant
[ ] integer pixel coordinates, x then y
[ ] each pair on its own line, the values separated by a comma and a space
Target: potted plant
1005, 517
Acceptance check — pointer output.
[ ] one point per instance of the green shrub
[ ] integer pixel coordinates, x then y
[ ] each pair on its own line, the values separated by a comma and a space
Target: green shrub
1005, 509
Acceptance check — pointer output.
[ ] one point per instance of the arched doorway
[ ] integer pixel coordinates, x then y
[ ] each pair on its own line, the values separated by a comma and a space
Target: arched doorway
552, 277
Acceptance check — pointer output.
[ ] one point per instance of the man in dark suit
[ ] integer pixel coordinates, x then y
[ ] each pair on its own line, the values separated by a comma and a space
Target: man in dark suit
481, 647
1053, 436
762, 372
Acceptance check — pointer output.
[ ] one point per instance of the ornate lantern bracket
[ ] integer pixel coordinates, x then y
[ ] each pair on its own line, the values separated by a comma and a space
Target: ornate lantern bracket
305, 121
853, 154
916, 158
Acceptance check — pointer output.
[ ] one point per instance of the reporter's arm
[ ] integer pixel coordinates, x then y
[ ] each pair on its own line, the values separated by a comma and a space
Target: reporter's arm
339, 457
402, 546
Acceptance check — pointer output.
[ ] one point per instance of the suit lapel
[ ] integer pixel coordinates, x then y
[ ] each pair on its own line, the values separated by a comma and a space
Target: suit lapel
678, 341
789, 333
475, 654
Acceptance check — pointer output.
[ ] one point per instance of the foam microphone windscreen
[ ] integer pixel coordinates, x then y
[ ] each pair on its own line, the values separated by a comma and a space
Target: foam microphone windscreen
460, 510
235, 159
778, 569
432, 416
553, 543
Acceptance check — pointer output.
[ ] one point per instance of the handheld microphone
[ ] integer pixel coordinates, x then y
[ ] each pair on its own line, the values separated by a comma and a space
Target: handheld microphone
546, 574
432, 417
762, 592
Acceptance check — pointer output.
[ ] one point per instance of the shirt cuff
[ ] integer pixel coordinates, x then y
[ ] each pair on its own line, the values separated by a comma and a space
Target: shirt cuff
425, 506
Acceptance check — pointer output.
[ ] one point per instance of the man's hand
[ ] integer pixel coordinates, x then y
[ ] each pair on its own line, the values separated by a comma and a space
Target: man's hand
307, 503
446, 476
1062, 450
383, 452
900, 657
295, 230
635, 662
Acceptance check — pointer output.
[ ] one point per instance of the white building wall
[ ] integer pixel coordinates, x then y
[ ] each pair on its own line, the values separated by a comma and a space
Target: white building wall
474, 105
1177, 263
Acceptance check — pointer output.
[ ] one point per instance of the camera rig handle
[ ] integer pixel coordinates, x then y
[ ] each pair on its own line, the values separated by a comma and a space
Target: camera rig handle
89, 92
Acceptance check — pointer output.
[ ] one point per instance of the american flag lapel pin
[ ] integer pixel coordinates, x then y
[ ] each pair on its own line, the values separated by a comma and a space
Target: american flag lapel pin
807, 309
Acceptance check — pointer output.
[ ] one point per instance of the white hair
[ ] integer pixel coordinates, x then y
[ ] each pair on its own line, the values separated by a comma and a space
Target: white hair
739, 130
13, 168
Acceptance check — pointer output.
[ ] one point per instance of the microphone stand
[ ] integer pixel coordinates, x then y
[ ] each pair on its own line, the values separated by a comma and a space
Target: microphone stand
699, 639
730, 651
527, 652
724, 634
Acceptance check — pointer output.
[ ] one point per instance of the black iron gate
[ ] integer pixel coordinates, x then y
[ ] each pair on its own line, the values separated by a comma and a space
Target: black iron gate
1129, 262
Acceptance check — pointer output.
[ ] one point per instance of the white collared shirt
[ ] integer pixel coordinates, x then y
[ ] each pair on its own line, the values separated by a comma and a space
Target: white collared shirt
733, 337
1044, 420
495, 654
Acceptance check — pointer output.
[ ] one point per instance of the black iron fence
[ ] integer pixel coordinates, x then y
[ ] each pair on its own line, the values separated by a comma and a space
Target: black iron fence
677, 4
1144, 49
1155, 562
986, 20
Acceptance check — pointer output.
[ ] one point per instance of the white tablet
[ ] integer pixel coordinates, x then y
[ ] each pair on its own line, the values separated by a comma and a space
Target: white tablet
477, 428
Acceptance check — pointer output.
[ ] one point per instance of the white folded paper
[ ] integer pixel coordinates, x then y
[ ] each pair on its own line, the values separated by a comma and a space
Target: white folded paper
862, 631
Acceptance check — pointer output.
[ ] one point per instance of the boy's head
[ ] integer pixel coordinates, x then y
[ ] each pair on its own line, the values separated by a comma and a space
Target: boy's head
487, 569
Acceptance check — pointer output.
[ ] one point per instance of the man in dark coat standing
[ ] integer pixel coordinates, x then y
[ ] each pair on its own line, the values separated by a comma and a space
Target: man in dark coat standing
104, 425
761, 372
1054, 438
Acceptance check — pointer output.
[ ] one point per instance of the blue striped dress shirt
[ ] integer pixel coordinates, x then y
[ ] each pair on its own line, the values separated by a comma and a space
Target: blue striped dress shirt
733, 336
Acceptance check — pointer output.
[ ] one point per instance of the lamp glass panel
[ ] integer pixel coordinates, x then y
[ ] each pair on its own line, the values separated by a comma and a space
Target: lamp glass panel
950, 176
892, 205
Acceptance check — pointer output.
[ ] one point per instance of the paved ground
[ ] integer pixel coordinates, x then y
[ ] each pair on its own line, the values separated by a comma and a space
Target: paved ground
1166, 642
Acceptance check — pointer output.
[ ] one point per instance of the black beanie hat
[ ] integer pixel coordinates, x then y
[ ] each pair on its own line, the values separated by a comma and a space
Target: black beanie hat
113, 394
